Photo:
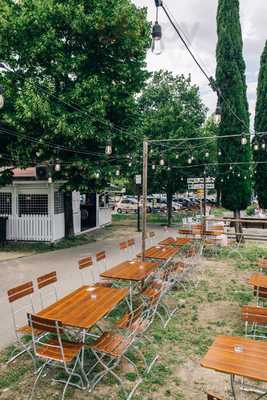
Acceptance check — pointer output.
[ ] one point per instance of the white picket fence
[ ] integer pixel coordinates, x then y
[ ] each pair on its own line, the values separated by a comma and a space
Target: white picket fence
30, 227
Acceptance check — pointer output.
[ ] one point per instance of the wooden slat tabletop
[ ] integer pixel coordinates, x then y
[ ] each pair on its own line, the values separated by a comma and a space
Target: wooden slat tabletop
175, 242
258, 280
161, 252
84, 307
134, 270
250, 363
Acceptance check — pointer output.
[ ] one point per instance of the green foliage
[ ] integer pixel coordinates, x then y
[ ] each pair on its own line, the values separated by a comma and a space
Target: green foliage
230, 77
261, 126
90, 55
171, 108
251, 210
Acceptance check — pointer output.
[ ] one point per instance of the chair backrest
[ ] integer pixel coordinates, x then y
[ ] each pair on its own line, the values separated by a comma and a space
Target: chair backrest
213, 397
100, 256
20, 291
152, 234
123, 245
84, 264
52, 326
254, 315
44, 281
131, 242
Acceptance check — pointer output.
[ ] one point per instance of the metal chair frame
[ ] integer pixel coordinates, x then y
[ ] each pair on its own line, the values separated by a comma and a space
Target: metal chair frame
86, 264
42, 283
21, 292
55, 328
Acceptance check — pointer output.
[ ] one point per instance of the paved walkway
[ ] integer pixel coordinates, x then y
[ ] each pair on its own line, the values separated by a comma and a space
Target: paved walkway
15, 272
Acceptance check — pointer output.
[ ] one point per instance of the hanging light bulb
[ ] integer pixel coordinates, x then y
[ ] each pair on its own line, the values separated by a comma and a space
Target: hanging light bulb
228, 177
231, 168
207, 154
162, 161
153, 166
222, 180
238, 175
190, 160
256, 147
117, 172
263, 146
128, 156
244, 140
177, 156
50, 180
108, 149
57, 166
217, 116
219, 152
156, 39
97, 175
169, 168
245, 177
130, 164
2, 100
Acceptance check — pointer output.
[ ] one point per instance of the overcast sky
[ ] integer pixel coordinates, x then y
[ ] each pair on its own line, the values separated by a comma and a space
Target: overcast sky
197, 18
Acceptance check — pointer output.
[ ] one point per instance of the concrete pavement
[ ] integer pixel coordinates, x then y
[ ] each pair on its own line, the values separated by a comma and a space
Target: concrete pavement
15, 272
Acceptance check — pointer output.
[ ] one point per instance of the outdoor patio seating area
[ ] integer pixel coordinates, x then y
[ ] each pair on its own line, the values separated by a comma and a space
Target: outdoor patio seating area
68, 334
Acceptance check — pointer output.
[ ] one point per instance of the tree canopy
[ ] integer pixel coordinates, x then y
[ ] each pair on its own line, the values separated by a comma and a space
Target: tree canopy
171, 108
74, 70
260, 156
230, 79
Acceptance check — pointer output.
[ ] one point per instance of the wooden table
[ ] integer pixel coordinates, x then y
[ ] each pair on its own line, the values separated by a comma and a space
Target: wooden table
249, 360
84, 307
134, 270
178, 242
162, 253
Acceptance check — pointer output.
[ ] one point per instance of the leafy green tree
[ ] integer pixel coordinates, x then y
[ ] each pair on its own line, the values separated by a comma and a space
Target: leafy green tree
230, 78
261, 126
171, 108
76, 68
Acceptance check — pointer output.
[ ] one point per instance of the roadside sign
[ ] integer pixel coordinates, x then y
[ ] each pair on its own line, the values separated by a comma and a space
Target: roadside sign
192, 181
200, 186
200, 193
138, 179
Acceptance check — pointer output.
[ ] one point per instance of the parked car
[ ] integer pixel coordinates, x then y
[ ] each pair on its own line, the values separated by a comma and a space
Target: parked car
129, 205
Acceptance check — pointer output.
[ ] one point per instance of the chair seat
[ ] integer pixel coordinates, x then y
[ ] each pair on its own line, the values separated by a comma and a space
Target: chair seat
111, 343
54, 353
106, 284
27, 330
151, 293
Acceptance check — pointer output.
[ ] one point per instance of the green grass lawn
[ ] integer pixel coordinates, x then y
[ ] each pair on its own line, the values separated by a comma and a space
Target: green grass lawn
210, 306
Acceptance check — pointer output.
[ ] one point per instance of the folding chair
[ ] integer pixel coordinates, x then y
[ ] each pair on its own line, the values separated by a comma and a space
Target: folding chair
152, 236
42, 283
54, 351
20, 292
255, 322
139, 320
213, 397
109, 350
86, 264
123, 246
131, 247
101, 260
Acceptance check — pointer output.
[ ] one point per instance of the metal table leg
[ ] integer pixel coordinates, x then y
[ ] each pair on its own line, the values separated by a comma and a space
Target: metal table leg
233, 386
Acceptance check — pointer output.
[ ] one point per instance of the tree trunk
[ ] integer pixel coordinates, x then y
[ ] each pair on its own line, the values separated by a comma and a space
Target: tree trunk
219, 194
238, 227
169, 208
69, 229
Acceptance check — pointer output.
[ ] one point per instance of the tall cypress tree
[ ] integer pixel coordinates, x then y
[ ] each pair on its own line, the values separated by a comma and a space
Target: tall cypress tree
230, 77
261, 126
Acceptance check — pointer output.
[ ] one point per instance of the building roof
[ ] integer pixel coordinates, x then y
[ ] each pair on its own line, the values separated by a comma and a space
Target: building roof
25, 173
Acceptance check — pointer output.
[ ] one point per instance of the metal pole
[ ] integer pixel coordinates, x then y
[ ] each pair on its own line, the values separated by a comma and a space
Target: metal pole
205, 198
145, 164
138, 208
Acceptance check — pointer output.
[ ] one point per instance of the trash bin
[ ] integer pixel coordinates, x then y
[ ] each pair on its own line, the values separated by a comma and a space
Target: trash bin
3, 224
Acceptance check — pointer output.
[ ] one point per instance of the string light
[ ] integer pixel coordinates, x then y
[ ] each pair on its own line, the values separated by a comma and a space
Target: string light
244, 140
97, 175
169, 168
117, 172
189, 160
256, 147
130, 164
207, 154
153, 166
231, 168
108, 149
263, 146
57, 166
219, 153
177, 156
162, 161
